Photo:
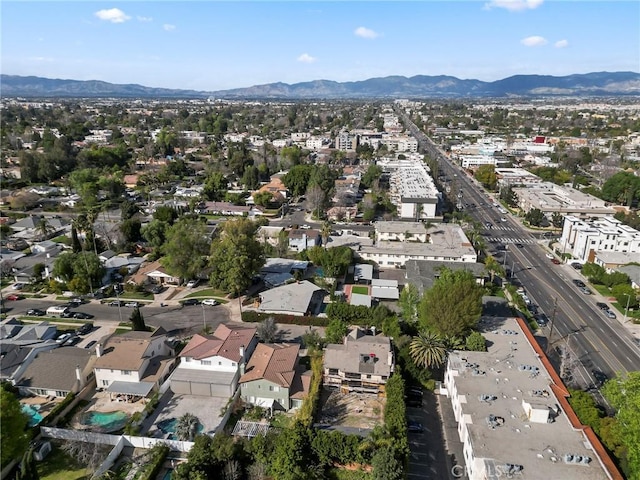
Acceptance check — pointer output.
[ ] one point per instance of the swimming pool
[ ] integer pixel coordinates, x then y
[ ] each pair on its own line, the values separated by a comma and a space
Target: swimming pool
106, 421
168, 426
33, 411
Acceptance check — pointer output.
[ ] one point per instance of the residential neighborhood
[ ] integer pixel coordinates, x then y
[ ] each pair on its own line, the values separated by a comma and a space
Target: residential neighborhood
443, 278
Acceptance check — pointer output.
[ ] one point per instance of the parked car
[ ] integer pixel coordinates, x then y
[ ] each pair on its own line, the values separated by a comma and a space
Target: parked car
541, 320
132, 304
82, 315
64, 337
156, 289
555, 261
414, 427
210, 301
72, 340
36, 312
192, 283
67, 314
12, 297
585, 290
191, 301
90, 344
609, 313
549, 256
576, 265
602, 306
18, 286
116, 303
579, 284
86, 328
414, 402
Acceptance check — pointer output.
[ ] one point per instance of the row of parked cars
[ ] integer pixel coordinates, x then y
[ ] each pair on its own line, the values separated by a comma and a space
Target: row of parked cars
69, 339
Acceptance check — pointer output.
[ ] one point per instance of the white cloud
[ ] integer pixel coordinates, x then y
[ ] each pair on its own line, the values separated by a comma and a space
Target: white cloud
513, 5
168, 27
144, 19
534, 41
113, 15
306, 58
561, 44
364, 32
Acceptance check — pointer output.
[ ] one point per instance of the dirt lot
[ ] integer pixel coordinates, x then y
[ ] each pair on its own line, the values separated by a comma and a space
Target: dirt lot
355, 410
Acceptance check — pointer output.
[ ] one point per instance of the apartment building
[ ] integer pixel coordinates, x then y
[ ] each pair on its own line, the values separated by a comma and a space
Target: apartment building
552, 198
585, 239
514, 419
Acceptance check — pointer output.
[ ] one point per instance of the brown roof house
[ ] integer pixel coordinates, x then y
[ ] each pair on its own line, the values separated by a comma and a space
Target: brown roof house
57, 372
155, 273
210, 364
273, 378
361, 363
134, 363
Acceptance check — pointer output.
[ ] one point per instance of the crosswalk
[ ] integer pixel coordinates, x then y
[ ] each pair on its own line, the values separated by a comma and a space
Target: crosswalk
504, 228
524, 241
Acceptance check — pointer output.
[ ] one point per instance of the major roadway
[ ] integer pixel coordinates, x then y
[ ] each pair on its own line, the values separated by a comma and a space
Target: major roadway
602, 347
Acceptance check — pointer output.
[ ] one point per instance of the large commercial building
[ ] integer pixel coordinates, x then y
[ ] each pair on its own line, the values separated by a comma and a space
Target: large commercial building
584, 239
412, 189
513, 415
551, 198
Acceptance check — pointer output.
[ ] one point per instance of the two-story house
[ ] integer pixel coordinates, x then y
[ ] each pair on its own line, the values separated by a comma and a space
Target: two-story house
210, 364
301, 239
134, 363
273, 378
362, 363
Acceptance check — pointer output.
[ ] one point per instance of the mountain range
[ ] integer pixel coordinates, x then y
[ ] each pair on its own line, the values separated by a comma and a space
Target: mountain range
605, 84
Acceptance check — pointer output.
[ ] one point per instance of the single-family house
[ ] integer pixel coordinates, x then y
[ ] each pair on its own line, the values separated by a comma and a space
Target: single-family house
423, 273
362, 363
276, 187
301, 239
15, 358
210, 364
57, 372
154, 273
299, 298
134, 363
274, 379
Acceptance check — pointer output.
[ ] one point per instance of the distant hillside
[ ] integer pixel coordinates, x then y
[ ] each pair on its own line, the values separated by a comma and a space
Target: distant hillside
420, 86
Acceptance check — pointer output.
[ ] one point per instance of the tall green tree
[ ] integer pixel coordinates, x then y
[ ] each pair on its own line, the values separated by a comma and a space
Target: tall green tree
386, 466
185, 249
14, 440
622, 188
137, 321
452, 306
292, 457
236, 256
486, 175
623, 393
408, 302
535, 217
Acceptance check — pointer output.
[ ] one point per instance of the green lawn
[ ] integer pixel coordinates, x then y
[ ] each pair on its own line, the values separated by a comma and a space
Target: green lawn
602, 289
59, 466
360, 289
631, 314
208, 292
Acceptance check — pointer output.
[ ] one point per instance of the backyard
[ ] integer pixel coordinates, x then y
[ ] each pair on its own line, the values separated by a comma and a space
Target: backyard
361, 289
60, 466
354, 410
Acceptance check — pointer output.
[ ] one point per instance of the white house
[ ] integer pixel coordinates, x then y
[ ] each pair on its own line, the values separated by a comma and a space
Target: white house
210, 364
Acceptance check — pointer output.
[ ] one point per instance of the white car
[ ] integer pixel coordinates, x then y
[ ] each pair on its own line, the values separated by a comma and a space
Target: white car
192, 283
549, 256
503, 219
210, 301
17, 286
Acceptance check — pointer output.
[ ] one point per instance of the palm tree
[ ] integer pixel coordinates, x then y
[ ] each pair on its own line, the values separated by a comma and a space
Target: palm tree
451, 342
43, 228
428, 350
493, 267
186, 427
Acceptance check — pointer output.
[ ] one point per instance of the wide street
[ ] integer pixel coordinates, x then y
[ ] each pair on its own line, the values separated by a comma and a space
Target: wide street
602, 347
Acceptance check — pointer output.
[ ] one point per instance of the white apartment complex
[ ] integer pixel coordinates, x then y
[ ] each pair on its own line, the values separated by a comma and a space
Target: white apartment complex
412, 189
398, 242
513, 416
584, 239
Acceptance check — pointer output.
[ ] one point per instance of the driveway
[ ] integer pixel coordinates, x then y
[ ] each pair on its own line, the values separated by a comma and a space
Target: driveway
429, 451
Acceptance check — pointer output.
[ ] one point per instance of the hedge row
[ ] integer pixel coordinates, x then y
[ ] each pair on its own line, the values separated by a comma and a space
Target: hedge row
60, 407
252, 316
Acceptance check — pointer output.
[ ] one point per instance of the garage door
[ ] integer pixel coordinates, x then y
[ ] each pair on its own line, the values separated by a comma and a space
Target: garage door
181, 387
200, 389
219, 390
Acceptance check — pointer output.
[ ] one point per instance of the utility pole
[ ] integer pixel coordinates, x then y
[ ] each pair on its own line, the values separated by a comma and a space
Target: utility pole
553, 320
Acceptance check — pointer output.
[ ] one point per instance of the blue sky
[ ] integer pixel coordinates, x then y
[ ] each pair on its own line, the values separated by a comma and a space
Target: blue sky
213, 45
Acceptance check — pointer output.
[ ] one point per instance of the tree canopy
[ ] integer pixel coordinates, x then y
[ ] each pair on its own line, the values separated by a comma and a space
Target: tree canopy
452, 306
185, 248
622, 188
236, 256
14, 440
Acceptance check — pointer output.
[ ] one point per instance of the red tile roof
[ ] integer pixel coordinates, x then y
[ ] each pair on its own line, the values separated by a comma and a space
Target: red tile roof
274, 362
225, 342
